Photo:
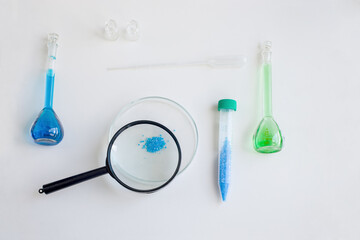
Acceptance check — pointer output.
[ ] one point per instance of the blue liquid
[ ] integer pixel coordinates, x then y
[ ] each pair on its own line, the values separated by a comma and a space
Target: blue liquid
47, 128
49, 92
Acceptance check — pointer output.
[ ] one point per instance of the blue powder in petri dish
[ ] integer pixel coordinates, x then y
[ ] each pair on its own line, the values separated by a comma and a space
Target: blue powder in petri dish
154, 144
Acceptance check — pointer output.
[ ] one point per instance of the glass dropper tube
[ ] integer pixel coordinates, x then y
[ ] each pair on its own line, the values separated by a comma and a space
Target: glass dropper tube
47, 128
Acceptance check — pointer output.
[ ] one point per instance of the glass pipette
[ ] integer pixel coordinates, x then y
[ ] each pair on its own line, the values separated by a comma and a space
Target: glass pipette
267, 138
234, 61
47, 128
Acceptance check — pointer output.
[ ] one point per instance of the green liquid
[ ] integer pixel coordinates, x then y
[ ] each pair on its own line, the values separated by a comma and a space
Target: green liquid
268, 138
267, 90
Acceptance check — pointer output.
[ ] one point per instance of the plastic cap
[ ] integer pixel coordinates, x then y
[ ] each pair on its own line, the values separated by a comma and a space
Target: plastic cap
227, 104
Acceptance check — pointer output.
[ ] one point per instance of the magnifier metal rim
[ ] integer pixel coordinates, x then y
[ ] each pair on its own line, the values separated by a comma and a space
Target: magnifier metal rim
108, 162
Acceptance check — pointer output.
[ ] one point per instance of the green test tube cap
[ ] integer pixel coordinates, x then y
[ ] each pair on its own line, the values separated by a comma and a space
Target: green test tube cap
227, 104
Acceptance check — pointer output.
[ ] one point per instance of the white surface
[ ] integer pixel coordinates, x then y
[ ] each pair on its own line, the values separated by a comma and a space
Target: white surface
310, 190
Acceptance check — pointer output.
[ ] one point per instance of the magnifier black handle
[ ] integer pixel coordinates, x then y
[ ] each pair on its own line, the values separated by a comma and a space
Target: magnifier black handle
67, 182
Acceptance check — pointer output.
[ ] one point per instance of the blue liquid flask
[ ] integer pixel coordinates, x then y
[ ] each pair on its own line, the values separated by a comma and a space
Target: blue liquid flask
47, 128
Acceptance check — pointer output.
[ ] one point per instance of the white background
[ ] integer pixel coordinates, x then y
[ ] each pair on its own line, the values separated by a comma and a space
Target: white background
310, 190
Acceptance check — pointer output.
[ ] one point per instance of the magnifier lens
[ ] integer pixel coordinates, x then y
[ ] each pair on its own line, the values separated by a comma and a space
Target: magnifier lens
144, 157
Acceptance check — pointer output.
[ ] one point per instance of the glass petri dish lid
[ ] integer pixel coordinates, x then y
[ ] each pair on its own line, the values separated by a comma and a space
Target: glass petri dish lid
168, 113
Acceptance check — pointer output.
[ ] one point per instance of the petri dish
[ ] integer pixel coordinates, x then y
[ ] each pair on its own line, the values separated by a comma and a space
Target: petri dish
168, 113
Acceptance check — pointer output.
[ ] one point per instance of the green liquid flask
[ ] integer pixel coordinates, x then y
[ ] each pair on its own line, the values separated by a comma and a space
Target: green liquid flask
267, 138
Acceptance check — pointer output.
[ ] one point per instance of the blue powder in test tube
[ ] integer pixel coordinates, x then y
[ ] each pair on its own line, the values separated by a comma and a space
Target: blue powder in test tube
225, 156
154, 144
224, 165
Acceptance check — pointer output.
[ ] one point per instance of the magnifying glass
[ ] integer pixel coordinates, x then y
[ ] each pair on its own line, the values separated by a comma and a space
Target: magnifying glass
143, 156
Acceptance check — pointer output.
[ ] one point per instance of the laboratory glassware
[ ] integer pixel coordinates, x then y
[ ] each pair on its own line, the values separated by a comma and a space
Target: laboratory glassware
226, 107
111, 30
168, 113
130, 163
130, 33
231, 61
47, 128
268, 137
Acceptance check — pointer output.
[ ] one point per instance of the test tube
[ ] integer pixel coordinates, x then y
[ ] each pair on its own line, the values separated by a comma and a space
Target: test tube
226, 108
